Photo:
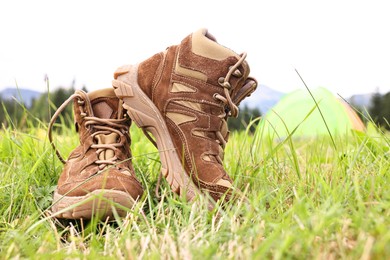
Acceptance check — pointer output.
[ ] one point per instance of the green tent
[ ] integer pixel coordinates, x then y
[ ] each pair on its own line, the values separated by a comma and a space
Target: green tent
297, 110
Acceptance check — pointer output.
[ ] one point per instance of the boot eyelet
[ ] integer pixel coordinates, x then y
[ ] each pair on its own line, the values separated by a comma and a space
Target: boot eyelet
237, 73
227, 85
221, 80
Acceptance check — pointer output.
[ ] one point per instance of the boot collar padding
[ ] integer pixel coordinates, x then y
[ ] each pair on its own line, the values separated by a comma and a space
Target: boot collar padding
204, 44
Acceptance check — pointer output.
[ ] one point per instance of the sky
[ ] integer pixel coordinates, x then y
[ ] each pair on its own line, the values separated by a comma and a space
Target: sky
338, 44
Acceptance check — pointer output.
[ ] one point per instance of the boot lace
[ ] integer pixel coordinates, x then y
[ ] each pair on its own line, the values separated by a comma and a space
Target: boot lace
231, 103
106, 135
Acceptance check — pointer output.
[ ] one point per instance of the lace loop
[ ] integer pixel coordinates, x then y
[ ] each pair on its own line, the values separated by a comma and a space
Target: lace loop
53, 120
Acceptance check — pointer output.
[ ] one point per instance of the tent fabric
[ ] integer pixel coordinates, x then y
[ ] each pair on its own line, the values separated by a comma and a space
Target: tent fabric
290, 112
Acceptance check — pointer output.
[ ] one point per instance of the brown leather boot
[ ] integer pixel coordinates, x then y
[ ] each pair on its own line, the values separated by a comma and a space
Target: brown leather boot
98, 175
183, 96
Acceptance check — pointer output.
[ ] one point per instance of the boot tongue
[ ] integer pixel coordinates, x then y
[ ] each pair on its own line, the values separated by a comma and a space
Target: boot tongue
105, 104
107, 139
102, 109
246, 90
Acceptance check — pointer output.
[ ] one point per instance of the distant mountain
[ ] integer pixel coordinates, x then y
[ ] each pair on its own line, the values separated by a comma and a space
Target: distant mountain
23, 95
263, 98
361, 100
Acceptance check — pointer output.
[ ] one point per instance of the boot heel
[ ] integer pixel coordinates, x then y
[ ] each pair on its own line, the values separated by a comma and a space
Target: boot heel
122, 90
147, 116
135, 104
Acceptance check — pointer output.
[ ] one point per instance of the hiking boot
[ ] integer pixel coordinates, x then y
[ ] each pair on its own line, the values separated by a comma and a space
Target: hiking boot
98, 178
183, 97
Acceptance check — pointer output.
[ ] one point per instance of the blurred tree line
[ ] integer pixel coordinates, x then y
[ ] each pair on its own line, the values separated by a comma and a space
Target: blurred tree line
245, 116
41, 110
380, 110
14, 113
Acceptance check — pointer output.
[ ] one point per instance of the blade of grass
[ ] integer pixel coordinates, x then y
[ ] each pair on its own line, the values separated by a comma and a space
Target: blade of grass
319, 110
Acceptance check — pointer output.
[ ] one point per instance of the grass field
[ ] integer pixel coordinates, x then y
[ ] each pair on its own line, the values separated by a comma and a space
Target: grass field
307, 199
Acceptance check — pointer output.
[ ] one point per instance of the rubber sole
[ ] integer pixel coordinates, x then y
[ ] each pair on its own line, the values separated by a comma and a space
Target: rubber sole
98, 203
147, 116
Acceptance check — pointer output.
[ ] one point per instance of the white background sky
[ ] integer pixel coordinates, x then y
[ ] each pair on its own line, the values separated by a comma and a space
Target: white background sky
338, 44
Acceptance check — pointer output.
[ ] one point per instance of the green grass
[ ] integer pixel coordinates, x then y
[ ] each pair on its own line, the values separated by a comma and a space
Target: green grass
308, 199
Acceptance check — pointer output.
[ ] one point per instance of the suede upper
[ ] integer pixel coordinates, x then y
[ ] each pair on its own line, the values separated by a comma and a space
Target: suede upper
186, 83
